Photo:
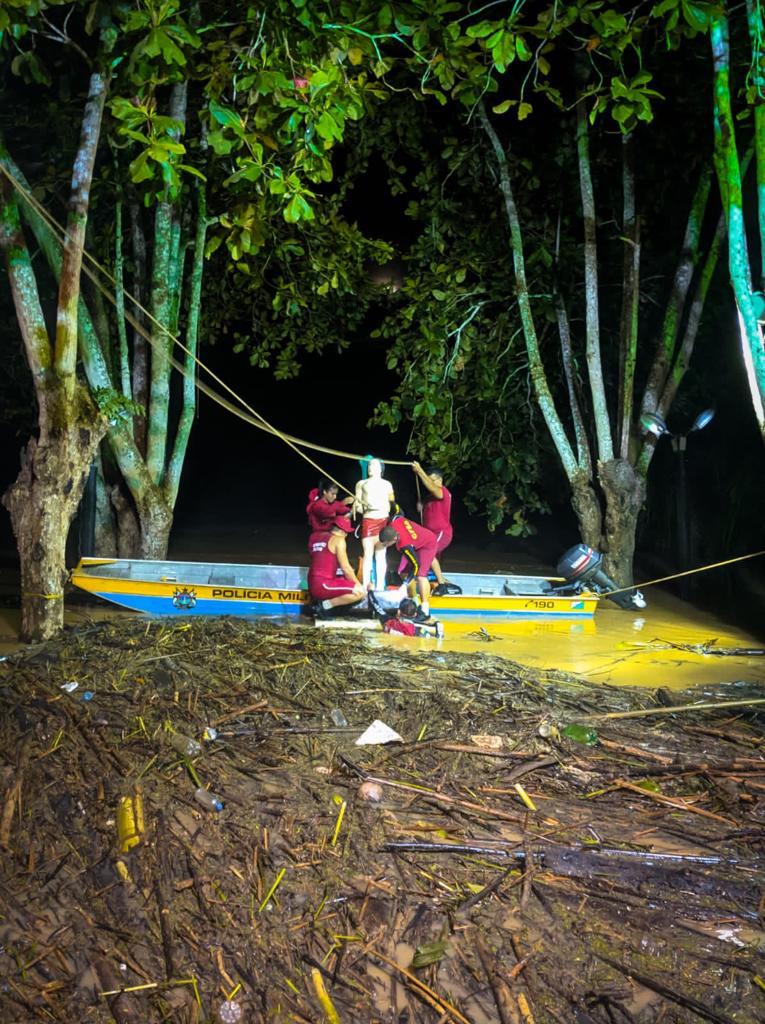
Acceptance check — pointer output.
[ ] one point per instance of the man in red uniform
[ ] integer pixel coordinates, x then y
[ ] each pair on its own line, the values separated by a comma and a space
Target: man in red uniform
418, 549
323, 507
328, 558
436, 512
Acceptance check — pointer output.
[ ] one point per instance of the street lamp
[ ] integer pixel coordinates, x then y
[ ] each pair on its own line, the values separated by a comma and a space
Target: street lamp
655, 424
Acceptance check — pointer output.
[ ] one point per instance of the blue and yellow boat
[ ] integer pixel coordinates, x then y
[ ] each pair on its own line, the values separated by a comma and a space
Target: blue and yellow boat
209, 588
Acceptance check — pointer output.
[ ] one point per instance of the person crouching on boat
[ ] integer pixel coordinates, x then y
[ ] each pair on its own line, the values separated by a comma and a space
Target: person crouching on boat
436, 512
329, 557
323, 506
417, 547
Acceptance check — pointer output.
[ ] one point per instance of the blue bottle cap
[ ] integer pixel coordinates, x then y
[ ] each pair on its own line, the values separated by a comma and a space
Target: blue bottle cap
88, 695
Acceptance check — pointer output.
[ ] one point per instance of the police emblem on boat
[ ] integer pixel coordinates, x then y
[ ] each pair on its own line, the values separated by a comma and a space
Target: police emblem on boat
184, 598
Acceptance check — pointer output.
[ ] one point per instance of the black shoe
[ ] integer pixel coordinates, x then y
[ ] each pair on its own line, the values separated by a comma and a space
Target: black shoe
320, 612
446, 589
421, 619
375, 607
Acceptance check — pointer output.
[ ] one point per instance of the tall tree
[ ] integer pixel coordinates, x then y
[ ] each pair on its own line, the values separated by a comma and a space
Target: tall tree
747, 277
594, 60
256, 109
55, 463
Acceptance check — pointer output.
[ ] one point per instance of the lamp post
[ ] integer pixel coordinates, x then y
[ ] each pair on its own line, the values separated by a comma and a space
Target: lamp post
654, 424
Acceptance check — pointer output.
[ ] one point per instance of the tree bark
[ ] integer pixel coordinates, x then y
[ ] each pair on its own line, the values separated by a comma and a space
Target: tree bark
628, 334
592, 314
624, 492
69, 279
729, 177
106, 526
128, 530
586, 506
140, 346
536, 366
42, 503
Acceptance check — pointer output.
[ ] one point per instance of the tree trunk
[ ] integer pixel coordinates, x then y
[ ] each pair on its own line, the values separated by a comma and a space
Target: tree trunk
106, 527
42, 503
586, 506
624, 492
156, 520
128, 530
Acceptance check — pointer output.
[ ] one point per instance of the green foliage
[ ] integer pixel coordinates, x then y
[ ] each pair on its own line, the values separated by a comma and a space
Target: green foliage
115, 406
307, 292
451, 332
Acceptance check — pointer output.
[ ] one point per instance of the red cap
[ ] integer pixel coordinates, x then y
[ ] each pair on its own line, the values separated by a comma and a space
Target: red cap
343, 523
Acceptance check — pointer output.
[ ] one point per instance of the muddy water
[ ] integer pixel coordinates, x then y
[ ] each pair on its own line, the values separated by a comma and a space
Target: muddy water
614, 647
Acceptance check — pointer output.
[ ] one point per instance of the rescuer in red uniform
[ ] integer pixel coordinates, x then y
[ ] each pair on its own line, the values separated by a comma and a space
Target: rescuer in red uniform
436, 512
329, 559
323, 507
418, 549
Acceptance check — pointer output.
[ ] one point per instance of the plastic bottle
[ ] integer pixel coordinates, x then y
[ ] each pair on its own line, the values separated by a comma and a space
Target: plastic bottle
230, 1012
338, 718
580, 734
185, 745
130, 824
208, 800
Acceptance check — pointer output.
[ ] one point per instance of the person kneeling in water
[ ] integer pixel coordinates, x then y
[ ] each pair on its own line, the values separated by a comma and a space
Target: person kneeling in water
328, 557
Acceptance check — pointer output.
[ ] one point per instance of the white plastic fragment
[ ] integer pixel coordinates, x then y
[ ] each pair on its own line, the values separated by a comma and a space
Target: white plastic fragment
378, 733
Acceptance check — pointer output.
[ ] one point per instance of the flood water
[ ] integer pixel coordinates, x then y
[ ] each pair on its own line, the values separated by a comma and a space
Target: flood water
615, 646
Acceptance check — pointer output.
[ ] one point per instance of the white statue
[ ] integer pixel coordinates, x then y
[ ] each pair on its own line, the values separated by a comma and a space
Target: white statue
372, 501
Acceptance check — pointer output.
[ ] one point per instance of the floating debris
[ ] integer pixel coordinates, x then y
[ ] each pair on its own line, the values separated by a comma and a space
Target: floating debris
492, 869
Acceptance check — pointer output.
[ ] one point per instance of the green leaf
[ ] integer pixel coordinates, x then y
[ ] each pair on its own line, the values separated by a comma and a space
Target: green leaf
438, 294
385, 17
696, 15
228, 118
622, 114
192, 170
213, 243
170, 52
429, 954
662, 8
524, 53
482, 29
328, 128
140, 168
503, 52
524, 109
649, 785
503, 107
220, 144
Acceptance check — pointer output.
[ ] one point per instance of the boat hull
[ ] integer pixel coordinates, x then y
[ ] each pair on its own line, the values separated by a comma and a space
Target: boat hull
198, 588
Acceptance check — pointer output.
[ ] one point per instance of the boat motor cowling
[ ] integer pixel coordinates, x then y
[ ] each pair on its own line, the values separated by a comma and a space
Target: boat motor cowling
582, 566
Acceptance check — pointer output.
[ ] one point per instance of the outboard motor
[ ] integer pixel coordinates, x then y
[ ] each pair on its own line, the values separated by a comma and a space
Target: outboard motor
582, 566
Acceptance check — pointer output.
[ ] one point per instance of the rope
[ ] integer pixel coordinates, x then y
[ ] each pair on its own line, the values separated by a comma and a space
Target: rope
254, 418
687, 572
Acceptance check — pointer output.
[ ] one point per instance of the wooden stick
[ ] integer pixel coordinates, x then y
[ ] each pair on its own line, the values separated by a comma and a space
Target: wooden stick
707, 706
668, 801
422, 989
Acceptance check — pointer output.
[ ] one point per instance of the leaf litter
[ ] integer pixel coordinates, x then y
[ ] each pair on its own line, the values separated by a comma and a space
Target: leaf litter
519, 858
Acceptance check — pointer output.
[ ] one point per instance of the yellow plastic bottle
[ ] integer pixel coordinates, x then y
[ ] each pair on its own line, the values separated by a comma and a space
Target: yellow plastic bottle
130, 824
